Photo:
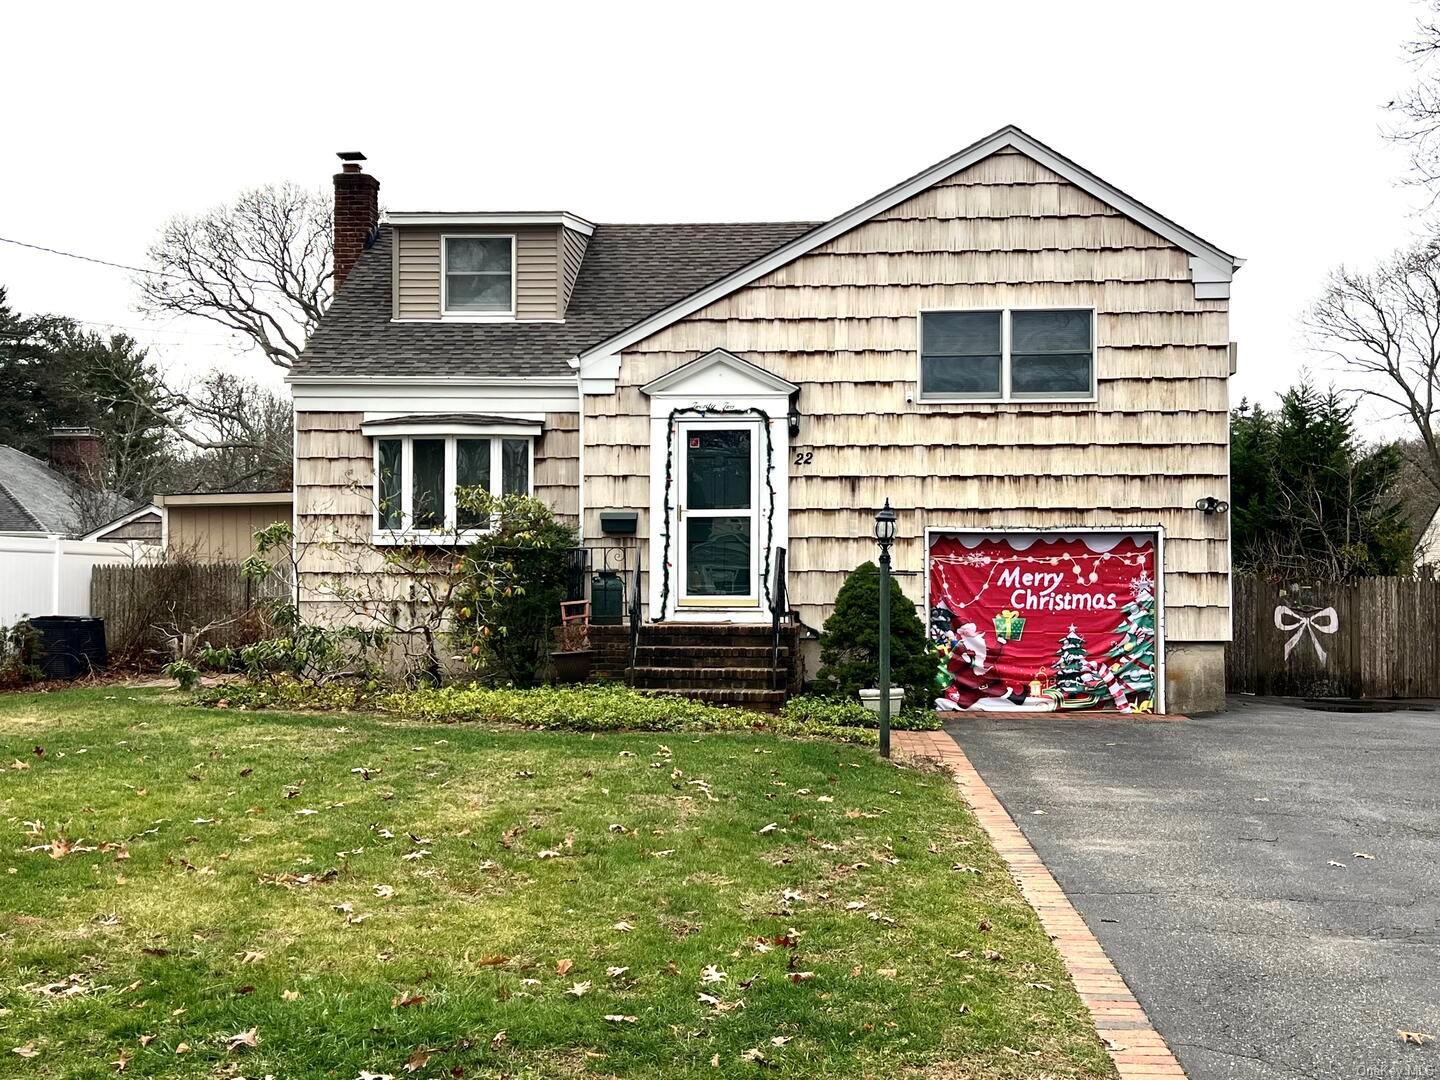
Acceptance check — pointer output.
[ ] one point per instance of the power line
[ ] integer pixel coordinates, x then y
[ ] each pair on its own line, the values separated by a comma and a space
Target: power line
89, 259
257, 286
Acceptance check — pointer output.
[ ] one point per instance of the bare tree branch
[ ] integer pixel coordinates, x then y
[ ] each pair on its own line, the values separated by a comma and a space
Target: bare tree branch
261, 266
1384, 327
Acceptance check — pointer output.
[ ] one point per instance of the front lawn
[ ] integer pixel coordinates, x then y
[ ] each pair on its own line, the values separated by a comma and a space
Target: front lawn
210, 893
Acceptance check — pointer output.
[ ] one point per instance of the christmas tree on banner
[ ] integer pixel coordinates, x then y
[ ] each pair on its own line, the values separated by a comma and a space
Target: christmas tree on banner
1134, 653
1069, 664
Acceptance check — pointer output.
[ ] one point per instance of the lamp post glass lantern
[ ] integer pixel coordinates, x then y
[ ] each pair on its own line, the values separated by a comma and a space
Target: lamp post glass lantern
885, 536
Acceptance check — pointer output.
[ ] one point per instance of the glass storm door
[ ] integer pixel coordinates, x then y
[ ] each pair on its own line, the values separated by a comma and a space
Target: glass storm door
716, 514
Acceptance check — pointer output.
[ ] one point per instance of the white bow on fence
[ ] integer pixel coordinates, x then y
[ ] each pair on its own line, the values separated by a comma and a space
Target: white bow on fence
1326, 621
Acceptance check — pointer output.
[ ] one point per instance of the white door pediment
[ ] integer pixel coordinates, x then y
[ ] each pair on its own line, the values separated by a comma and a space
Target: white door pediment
719, 373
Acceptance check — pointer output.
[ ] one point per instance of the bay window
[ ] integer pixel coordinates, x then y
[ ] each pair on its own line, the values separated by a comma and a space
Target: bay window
417, 474
1011, 354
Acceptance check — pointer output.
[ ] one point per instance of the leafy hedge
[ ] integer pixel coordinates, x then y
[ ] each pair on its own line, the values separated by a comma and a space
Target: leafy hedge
842, 713
568, 708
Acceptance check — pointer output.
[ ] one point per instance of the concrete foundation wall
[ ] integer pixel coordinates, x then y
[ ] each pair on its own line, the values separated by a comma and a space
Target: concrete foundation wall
1194, 677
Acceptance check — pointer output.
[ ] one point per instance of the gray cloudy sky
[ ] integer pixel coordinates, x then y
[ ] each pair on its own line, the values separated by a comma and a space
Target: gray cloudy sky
1256, 124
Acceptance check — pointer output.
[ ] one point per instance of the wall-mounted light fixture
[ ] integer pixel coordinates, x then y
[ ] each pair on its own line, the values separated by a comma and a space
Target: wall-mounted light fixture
1211, 505
794, 420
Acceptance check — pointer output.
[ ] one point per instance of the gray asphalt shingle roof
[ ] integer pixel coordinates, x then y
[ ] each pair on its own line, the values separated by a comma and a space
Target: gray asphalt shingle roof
629, 272
33, 496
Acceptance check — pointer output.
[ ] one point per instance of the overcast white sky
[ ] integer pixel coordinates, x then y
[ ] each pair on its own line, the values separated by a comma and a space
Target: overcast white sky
1255, 124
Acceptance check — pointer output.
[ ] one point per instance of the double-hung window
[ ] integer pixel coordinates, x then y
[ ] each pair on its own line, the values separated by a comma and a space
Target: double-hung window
417, 474
479, 273
1012, 354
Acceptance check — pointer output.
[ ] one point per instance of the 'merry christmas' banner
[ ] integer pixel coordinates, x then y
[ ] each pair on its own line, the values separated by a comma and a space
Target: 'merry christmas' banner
1038, 623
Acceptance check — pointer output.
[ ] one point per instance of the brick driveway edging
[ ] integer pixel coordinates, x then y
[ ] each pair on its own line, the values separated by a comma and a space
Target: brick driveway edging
1134, 1045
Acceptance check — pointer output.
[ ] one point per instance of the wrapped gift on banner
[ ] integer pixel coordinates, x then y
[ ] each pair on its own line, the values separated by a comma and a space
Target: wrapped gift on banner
1009, 625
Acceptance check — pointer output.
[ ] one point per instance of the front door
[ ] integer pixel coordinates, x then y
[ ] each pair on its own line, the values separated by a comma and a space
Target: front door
716, 514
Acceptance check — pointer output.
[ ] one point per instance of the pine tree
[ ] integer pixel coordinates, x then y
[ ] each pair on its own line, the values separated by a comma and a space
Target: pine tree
1134, 653
1069, 664
850, 641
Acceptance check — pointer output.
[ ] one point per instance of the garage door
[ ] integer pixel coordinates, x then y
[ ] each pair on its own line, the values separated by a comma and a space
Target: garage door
1039, 622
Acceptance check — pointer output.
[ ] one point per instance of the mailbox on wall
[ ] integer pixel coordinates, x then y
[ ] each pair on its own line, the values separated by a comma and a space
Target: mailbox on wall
619, 522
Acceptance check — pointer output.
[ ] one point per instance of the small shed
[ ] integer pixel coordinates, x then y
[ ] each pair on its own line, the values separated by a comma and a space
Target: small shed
220, 526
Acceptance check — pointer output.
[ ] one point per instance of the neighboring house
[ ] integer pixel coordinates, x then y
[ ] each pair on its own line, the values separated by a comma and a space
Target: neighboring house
1028, 363
220, 526
145, 524
43, 498
1425, 528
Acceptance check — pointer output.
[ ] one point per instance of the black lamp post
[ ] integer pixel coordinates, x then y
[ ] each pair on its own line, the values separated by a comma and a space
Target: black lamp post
885, 536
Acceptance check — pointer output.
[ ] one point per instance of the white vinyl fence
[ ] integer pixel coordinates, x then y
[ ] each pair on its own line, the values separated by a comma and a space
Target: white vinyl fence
42, 575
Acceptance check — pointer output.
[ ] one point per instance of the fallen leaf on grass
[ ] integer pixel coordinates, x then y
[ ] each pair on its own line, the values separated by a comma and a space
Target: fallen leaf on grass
244, 1040
1040, 986
712, 974
855, 905
289, 995
28, 1050
418, 1059
801, 976
616, 972
580, 989
616, 1018
183, 1048
993, 955
547, 854
562, 967
885, 973
1341, 865
1417, 1038
780, 1040
1361, 855
251, 956
663, 854
756, 1055
366, 1074
146, 1040
404, 1001
411, 856
623, 926
384, 892
121, 1061
769, 828
498, 1041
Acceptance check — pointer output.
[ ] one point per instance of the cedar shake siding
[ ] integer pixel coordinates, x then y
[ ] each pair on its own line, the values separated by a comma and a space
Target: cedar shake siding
841, 321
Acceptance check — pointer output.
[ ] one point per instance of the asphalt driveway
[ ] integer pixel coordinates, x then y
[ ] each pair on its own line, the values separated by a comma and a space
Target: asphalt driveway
1204, 854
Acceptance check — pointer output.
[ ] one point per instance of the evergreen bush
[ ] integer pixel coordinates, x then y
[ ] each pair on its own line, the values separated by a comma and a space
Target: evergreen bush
850, 642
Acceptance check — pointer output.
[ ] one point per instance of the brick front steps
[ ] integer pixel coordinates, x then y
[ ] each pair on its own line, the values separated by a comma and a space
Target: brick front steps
718, 663
1138, 1050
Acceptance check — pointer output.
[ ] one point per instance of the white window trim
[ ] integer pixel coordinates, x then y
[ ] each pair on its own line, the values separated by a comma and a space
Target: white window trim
448, 533
1005, 395
477, 316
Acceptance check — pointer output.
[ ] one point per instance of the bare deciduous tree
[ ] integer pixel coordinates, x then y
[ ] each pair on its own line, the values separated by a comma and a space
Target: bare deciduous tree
1384, 327
261, 266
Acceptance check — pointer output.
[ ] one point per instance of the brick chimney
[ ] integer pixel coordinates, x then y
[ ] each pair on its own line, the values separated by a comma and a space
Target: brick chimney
357, 213
78, 453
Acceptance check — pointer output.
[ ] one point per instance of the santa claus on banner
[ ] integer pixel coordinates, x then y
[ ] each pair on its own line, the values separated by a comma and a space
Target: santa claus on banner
971, 664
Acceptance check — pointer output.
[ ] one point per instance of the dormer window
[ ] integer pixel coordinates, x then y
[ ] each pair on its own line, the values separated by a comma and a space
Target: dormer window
479, 276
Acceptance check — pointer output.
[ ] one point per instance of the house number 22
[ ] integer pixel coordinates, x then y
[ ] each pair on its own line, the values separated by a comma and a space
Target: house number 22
804, 457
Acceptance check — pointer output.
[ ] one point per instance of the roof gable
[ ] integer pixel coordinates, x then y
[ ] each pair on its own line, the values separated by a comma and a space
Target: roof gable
1211, 267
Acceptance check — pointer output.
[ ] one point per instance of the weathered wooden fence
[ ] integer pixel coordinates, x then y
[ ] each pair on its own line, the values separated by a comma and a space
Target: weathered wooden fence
143, 605
1372, 638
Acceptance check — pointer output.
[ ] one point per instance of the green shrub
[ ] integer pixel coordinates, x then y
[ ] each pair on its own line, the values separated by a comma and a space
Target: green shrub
184, 673
512, 581
18, 644
850, 642
839, 712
